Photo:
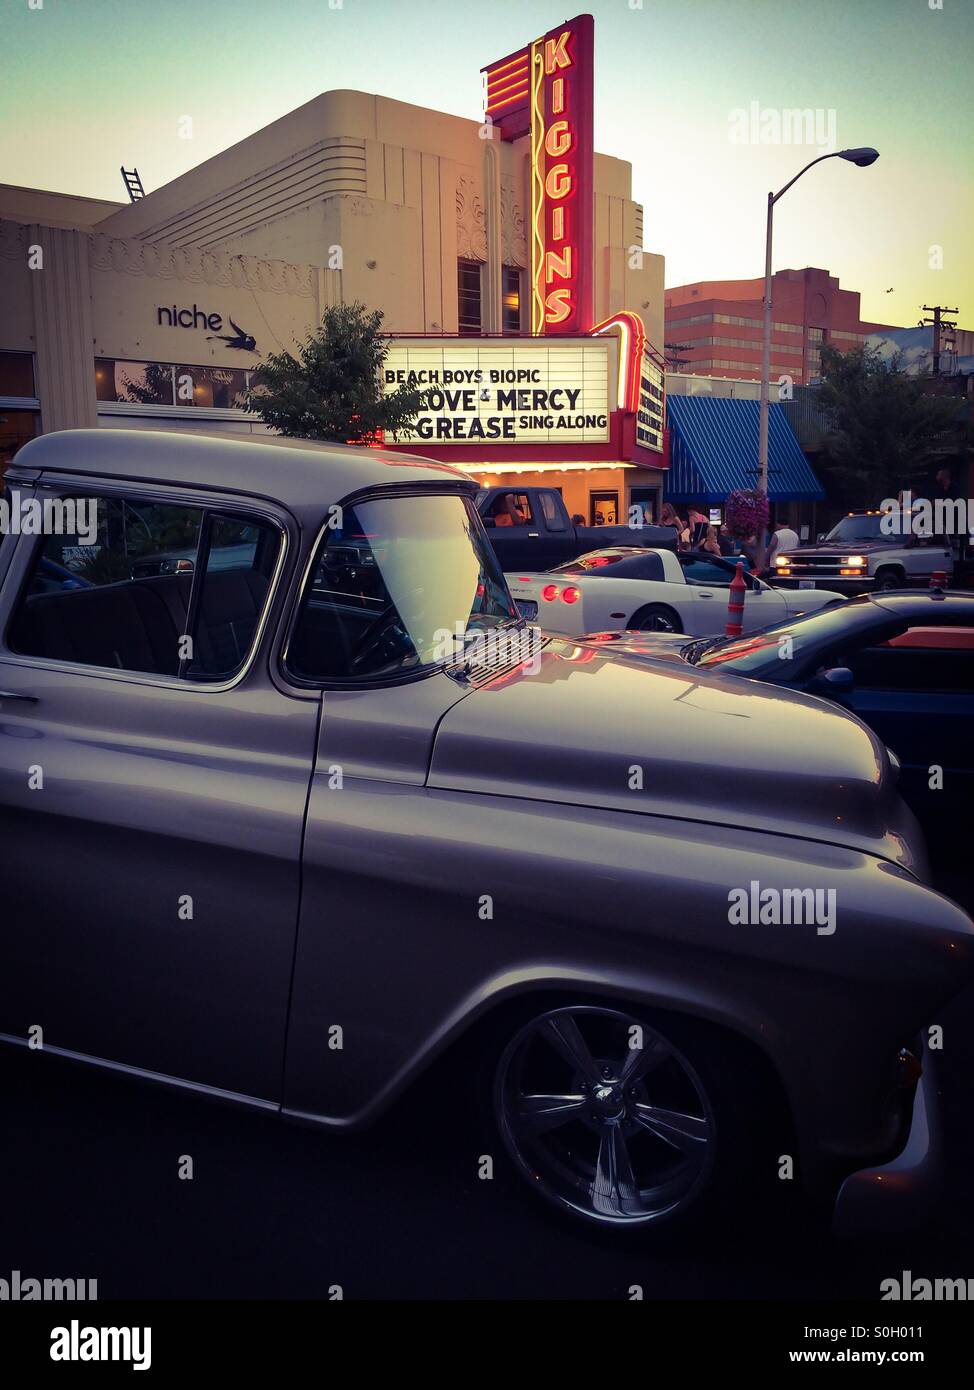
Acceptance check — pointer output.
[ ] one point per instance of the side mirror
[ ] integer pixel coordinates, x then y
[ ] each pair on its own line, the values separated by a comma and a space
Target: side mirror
836, 681
820, 536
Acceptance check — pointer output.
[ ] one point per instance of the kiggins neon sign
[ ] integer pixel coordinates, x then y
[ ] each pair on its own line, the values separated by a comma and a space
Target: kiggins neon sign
562, 207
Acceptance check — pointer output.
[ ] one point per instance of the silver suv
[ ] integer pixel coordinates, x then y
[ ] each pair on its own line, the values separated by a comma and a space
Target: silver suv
858, 554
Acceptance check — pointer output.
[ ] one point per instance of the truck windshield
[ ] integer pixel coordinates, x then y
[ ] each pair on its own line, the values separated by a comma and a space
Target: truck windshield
396, 588
859, 528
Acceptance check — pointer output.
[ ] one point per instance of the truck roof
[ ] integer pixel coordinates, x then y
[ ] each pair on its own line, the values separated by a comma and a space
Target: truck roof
303, 474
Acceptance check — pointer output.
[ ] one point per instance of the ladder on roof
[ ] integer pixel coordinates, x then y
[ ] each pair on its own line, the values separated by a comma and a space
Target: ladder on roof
133, 184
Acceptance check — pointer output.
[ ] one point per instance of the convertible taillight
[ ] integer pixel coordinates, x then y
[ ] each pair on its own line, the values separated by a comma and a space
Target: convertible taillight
549, 593
571, 594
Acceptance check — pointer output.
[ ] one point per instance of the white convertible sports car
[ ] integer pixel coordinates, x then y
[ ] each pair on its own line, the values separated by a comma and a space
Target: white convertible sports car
626, 587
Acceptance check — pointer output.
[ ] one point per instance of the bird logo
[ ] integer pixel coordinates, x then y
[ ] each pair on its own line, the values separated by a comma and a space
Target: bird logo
245, 342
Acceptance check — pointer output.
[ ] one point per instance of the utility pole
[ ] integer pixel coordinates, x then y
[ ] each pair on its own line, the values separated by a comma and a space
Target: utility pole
674, 355
937, 323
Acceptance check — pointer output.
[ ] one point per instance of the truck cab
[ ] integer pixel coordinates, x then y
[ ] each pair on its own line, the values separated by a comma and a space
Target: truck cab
530, 529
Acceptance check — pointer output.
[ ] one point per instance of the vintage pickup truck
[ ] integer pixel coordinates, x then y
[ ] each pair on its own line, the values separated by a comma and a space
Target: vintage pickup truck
530, 529
287, 830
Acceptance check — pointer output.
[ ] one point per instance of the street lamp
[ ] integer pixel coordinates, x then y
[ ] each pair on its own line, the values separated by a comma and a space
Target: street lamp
862, 157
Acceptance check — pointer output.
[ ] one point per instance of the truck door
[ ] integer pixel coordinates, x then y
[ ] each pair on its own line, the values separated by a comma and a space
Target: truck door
152, 795
515, 531
558, 536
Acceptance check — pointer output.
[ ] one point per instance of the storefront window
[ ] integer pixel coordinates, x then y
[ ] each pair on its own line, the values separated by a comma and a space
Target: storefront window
647, 500
16, 427
137, 383
511, 289
16, 374
168, 383
225, 387
468, 296
604, 509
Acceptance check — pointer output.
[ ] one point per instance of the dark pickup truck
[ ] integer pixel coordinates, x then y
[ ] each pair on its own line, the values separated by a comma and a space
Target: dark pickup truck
530, 529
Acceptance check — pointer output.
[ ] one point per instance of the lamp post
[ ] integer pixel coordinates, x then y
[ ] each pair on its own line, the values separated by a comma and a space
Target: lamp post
862, 157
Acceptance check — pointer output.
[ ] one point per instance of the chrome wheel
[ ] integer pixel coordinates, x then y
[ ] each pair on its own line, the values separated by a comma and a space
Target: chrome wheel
604, 1116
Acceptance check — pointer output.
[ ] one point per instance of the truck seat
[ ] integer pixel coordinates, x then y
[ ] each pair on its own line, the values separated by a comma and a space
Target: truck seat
135, 625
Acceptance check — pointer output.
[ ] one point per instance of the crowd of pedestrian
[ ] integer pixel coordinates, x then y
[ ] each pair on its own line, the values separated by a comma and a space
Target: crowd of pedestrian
697, 532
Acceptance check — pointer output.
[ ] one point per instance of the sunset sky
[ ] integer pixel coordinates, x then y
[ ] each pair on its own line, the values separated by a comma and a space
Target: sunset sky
89, 86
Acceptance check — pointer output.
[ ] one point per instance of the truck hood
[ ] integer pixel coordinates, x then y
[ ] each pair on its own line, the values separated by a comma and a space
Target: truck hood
712, 748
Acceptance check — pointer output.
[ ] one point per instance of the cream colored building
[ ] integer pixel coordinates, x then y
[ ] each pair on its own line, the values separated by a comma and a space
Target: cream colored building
351, 196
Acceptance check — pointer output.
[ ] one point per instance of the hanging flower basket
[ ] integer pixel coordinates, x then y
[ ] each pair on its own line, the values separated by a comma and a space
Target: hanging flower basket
747, 513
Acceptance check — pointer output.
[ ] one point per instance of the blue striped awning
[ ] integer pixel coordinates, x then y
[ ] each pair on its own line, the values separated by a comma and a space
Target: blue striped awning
714, 449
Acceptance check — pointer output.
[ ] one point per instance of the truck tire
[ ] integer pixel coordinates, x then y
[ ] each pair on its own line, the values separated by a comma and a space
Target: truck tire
655, 617
889, 577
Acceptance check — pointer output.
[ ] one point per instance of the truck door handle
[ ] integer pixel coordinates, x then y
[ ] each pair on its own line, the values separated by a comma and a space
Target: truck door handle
534, 534
17, 695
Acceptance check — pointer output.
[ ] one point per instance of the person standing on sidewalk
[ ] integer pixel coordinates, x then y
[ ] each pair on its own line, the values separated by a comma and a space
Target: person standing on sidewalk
784, 538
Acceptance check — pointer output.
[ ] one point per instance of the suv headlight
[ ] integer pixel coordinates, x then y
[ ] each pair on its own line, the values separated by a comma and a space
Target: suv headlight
854, 560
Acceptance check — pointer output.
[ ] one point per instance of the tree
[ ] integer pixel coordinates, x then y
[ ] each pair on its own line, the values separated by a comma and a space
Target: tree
885, 427
331, 388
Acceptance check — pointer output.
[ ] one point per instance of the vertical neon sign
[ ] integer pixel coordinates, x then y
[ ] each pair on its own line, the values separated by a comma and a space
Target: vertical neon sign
561, 76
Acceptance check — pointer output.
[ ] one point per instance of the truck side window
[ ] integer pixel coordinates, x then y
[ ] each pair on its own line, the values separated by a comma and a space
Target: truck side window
511, 509
554, 518
118, 592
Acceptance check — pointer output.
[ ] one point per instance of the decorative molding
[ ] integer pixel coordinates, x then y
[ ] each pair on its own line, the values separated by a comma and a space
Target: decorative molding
334, 166
132, 256
471, 220
513, 230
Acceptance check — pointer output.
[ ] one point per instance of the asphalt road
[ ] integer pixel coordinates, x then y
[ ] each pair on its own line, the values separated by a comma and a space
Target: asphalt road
89, 1171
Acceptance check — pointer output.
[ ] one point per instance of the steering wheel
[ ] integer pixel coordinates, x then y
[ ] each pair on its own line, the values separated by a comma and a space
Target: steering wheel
386, 633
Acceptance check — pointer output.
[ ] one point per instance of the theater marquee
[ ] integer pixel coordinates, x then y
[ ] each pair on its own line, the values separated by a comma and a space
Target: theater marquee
539, 392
